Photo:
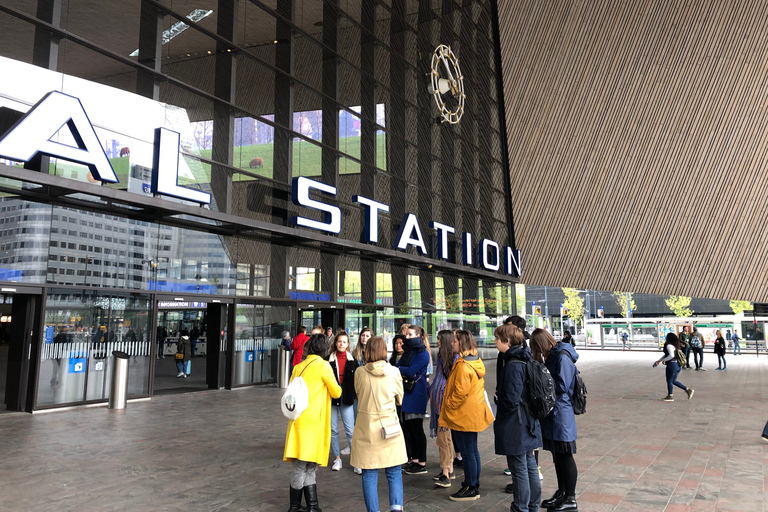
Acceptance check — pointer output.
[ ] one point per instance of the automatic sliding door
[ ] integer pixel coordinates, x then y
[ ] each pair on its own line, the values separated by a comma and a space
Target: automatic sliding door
258, 332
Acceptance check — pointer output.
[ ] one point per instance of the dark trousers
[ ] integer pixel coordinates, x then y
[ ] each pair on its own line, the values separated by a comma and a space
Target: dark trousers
765, 430
415, 439
721, 360
687, 352
698, 356
467, 445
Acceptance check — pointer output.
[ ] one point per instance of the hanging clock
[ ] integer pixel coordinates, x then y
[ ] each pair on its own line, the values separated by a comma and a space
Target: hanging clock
447, 84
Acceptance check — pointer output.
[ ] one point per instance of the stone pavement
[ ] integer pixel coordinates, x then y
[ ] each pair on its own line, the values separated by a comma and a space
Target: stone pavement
222, 450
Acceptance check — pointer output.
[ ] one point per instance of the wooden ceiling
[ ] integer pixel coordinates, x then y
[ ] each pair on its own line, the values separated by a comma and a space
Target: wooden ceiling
637, 144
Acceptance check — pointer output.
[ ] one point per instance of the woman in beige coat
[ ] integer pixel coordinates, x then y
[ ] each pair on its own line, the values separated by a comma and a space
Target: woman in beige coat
379, 388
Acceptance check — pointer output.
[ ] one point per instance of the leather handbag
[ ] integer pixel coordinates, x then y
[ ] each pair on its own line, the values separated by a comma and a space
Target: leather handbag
409, 383
179, 355
388, 431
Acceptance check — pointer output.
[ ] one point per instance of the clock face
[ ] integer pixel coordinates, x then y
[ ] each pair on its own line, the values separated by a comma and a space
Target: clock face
447, 84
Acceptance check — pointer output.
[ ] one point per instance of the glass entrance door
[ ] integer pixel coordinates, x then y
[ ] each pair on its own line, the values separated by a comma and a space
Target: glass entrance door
82, 329
259, 329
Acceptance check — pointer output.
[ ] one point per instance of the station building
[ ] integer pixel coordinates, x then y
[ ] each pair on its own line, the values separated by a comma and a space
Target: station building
236, 169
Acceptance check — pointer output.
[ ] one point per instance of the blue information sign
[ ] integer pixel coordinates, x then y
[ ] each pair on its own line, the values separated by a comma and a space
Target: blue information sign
49, 334
249, 356
77, 365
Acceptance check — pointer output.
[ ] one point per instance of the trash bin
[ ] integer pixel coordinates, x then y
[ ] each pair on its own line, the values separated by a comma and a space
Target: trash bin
118, 391
283, 367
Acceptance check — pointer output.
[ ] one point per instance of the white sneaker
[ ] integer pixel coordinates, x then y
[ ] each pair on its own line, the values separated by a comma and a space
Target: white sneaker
180, 374
358, 471
345, 451
336, 465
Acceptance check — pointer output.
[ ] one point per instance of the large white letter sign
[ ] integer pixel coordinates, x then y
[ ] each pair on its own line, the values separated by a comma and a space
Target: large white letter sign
165, 169
513, 263
372, 209
442, 238
493, 263
301, 188
410, 234
32, 133
466, 248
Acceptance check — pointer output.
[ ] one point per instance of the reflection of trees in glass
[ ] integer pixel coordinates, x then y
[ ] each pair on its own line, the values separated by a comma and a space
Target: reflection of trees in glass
203, 133
679, 305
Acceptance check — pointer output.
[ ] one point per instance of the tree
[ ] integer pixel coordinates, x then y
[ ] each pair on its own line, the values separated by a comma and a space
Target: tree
621, 301
679, 305
574, 305
739, 306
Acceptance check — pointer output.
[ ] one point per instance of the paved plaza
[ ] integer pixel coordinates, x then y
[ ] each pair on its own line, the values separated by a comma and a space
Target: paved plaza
222, 450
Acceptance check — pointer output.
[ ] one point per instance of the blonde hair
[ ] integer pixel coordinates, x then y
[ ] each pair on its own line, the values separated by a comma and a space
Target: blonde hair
467, 343
403, 328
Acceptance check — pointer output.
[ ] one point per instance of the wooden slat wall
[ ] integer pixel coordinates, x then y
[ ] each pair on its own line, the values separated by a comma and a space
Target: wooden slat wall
638, 137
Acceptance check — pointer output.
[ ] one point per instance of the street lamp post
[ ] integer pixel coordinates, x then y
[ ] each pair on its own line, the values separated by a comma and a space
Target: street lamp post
152, 271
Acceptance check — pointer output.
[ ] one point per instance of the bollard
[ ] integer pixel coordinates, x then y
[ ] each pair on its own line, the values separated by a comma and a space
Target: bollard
283, 367
118, 391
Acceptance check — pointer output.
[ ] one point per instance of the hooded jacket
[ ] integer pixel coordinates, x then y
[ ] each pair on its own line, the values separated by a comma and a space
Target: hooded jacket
414, 364
560, 424
514, 431
379, 389
464, 406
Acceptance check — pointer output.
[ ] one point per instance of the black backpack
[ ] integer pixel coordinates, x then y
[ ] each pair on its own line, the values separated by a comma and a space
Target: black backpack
579, 396
540, 389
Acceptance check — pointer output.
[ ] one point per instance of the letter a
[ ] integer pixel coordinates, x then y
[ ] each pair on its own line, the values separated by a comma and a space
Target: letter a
32, 135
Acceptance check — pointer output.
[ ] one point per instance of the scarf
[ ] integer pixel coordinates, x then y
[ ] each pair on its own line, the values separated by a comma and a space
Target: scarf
411, 347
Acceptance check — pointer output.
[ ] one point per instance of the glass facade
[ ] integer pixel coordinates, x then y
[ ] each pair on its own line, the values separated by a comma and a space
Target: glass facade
332, 91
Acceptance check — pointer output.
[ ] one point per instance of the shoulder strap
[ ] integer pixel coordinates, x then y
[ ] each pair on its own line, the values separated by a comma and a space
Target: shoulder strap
375, 402
305, 368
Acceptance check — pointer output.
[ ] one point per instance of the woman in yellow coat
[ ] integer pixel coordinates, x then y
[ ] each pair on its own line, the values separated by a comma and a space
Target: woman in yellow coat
309, 436
465, 410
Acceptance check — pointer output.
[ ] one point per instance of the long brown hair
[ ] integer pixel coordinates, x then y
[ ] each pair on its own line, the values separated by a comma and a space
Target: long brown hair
358, 352
467, 343
445, 350
541, 344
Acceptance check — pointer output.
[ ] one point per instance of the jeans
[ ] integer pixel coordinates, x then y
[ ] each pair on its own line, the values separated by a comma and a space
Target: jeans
348, 418
673, 370
698, 356
466, 444
736, 346
371, 488
721, 360
184, 367
687, 352
525, 478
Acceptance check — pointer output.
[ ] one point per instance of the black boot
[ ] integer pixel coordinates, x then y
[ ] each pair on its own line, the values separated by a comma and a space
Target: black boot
296, 495
567, 505
555, 500
310, 494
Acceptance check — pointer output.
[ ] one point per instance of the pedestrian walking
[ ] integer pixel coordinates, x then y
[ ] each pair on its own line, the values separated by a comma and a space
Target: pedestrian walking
558, 429
413, 367
308, 437
697, 347
671, 346
445, 361
465, 410
184, 356
344, 366
516, 434
735, 340
376, 445
624, 340
720, 350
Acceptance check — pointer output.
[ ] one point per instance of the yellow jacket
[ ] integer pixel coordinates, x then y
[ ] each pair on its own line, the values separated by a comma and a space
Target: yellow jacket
309, 436
464, 406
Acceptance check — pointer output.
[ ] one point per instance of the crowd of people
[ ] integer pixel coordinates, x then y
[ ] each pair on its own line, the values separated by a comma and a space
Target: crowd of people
383, 402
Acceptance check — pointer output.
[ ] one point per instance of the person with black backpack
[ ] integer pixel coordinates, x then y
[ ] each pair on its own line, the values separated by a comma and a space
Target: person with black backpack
558, 428
517, 434
673, 361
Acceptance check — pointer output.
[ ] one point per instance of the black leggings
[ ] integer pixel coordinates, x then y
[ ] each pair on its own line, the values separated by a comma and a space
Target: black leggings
565, 468
415, 439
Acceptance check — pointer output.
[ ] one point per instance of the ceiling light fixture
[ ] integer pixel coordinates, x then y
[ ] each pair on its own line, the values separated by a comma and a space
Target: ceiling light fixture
179, 27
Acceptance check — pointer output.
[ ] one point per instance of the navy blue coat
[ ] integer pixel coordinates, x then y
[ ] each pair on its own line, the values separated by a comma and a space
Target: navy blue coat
560, 424
415, 402
516, 433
